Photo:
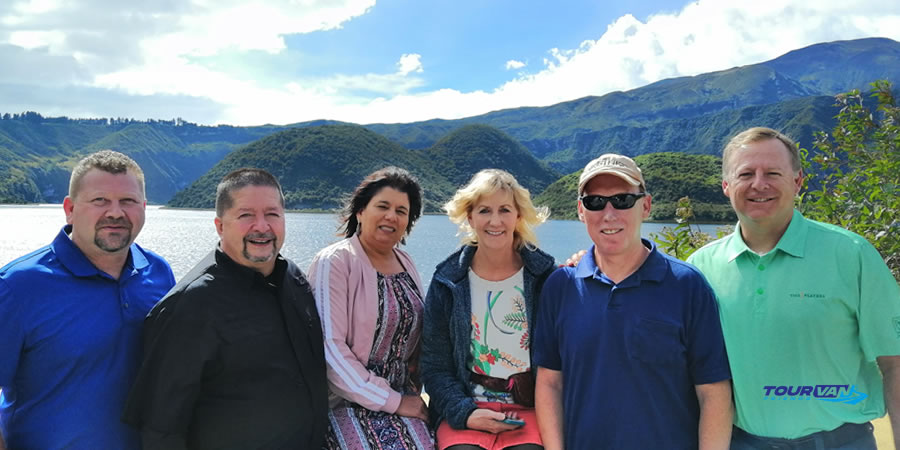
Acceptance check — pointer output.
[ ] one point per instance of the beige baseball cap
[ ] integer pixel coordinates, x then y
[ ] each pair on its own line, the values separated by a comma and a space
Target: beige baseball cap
612, 164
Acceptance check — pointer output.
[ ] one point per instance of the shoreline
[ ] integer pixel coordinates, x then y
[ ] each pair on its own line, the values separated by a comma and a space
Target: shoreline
334, 211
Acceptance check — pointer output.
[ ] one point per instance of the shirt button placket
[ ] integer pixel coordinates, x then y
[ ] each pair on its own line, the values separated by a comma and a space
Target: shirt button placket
758, 297
123, 297
761, 276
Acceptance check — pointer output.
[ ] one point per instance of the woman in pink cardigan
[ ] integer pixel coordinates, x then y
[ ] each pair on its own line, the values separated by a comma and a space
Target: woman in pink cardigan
369, 297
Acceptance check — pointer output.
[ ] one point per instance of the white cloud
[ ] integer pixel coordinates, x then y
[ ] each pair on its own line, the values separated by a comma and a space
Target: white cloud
705, 36
212, 26
110, 35
154, 48
36, 39
249, 103
514, 65
188, 27
36, 6
410, 62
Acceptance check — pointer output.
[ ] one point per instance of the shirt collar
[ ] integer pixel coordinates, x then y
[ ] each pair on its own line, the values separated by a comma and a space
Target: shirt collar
792, 242
456, 270
76, 262
654, 268
247, 275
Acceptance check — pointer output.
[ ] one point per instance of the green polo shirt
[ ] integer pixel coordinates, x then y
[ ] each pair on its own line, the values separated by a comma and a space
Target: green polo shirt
803, 325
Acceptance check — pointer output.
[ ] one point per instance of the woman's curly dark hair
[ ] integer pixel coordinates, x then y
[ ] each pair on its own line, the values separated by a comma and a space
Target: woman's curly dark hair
395, 177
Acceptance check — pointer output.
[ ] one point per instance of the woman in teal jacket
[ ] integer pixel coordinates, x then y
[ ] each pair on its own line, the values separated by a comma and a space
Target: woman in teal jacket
479, 312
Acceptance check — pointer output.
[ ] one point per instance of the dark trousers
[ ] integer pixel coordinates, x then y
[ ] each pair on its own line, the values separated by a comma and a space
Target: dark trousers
849, 436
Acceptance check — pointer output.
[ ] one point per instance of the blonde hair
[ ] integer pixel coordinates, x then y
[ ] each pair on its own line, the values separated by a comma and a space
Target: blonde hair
757, 134
487, 182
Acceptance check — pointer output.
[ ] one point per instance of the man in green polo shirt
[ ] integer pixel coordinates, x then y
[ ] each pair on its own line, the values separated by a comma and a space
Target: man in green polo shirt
810, 311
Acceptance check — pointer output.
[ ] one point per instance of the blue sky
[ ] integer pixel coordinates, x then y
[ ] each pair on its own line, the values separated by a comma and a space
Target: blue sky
249, 62
467, 43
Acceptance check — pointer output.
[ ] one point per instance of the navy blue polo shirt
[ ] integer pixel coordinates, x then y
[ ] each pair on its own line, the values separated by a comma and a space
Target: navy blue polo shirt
70, 345
631, 353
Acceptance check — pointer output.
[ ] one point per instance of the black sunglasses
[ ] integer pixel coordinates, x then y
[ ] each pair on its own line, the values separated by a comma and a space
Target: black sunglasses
618, 201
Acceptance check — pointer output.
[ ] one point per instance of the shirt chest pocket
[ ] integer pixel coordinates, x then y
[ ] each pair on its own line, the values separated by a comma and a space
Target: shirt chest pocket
655, 342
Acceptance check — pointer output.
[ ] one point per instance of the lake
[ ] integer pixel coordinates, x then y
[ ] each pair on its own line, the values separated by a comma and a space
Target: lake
183, 237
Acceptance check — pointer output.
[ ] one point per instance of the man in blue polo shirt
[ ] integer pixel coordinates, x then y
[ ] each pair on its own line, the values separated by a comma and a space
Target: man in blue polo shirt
628, 342
72, 314
810, 311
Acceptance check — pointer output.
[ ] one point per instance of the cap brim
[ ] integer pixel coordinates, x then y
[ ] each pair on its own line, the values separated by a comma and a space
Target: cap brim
628, 178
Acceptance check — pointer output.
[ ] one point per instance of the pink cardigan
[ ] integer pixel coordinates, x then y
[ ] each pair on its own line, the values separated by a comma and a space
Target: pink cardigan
346, 289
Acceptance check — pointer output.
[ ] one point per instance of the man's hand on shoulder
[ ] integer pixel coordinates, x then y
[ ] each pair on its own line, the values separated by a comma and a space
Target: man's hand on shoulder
574, 259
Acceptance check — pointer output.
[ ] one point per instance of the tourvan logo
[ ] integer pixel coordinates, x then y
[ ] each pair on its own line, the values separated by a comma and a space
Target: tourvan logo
839, 393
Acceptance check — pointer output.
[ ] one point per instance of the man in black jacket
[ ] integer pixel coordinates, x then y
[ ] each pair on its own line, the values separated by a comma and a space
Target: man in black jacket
233, 354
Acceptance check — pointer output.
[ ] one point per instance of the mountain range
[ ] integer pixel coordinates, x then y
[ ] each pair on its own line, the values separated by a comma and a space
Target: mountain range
320, 161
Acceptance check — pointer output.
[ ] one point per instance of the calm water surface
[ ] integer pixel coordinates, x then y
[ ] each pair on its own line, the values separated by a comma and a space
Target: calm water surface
183, 237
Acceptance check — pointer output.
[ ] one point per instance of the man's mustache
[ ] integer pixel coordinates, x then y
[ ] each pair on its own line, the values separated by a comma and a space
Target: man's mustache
260, 236
120, 222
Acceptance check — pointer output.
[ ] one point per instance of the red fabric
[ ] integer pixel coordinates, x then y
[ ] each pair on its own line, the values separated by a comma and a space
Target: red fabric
526, 434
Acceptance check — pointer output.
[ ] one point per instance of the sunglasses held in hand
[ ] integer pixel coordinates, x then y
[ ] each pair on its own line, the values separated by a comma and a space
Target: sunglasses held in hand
618, 201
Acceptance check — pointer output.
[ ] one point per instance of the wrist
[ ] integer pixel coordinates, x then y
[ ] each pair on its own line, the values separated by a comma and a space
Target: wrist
468, 415
393, 402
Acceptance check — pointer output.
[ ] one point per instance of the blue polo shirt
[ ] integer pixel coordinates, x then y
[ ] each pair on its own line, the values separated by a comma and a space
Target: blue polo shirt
631, 353
70, 345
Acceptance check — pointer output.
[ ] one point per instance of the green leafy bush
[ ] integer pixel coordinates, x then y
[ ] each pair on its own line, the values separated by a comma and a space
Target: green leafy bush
857, 171
683, 240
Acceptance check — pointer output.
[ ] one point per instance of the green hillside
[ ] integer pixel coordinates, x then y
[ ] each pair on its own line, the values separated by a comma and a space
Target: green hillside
669, 176
664, 116
318, 166
465, 151
38, 153
836, 67
34, 136
696, 115
166, 160
36, 157
705, 134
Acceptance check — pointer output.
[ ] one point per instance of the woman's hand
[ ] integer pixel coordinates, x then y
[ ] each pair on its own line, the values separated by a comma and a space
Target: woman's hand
490, 421
413, 406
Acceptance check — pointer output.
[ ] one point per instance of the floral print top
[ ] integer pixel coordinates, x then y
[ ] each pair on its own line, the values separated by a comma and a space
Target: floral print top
500, 334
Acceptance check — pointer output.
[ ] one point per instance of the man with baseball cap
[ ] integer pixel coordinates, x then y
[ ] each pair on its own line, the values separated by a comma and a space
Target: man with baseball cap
628, 342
